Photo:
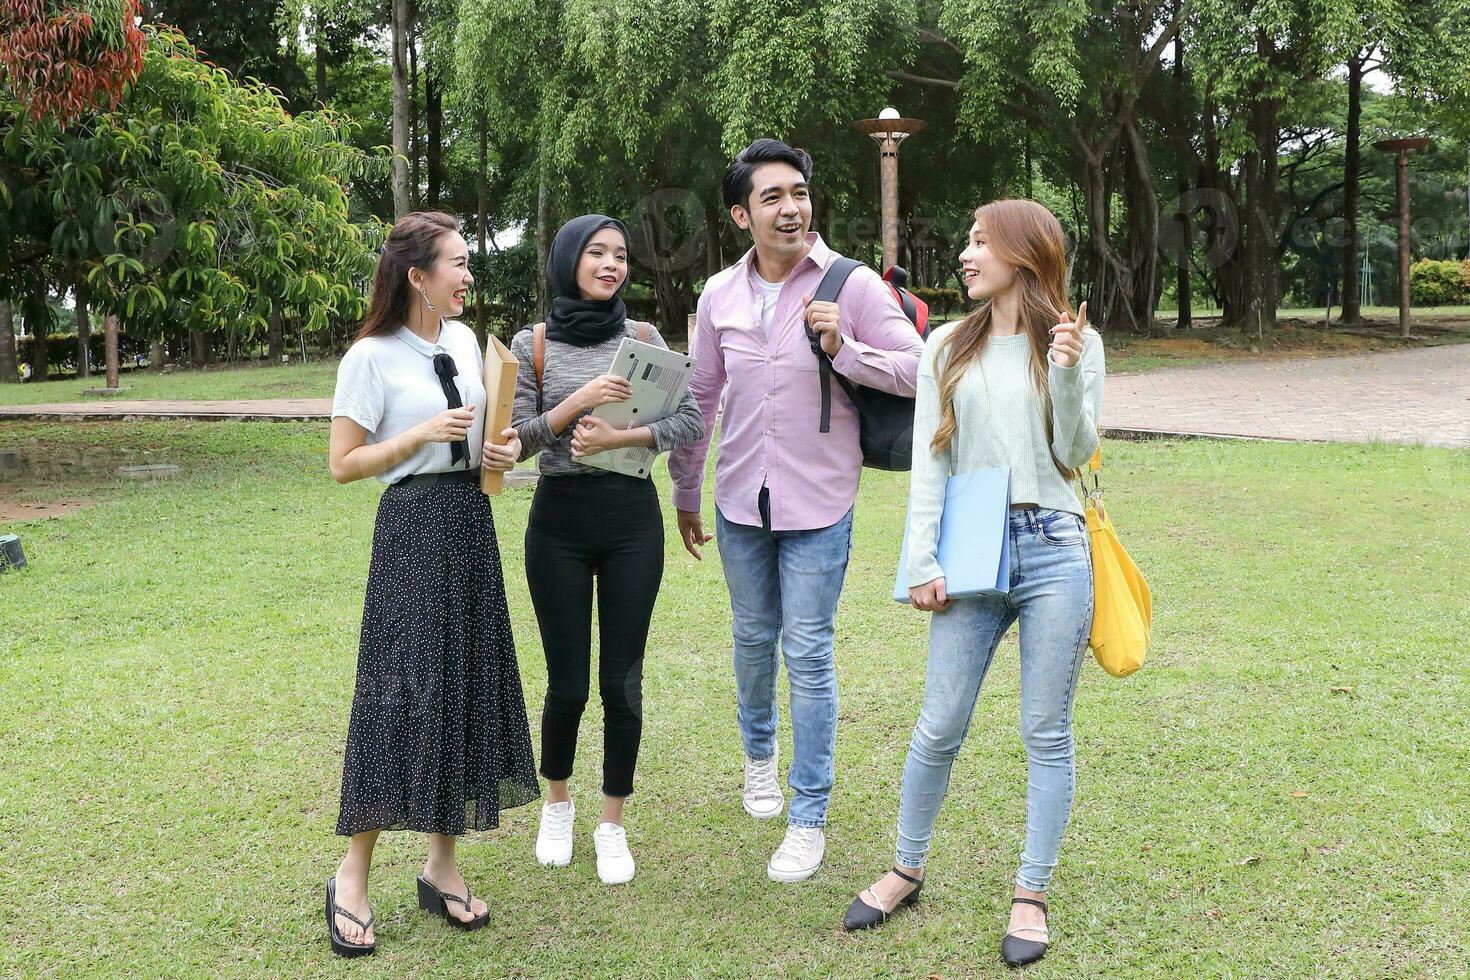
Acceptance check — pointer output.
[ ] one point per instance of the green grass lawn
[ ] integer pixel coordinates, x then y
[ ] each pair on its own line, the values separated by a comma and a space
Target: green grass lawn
1281, 792
314, 379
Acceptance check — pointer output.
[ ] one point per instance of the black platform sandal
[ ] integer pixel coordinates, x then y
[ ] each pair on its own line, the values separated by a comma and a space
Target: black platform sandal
1017, 951
341, 946
437, 902
861, 915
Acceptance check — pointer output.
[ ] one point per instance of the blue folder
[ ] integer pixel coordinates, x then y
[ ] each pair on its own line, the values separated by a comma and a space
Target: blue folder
974, 536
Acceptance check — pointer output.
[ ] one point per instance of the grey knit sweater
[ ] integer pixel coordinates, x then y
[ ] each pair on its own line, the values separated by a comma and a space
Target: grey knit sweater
567, 369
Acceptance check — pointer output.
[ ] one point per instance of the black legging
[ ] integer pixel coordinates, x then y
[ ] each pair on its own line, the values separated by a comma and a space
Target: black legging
610, 527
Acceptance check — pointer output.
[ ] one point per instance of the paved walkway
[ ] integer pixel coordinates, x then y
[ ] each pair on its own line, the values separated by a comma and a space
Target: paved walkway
268, 409
1414, 396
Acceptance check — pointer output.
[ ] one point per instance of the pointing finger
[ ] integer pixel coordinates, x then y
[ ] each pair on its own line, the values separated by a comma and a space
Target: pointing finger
1082, 316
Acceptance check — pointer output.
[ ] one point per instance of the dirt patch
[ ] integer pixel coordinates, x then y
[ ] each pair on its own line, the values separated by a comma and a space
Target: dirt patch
12, 510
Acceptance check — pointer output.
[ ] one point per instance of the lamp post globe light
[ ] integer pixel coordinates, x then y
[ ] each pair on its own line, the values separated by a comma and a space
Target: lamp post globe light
888, 130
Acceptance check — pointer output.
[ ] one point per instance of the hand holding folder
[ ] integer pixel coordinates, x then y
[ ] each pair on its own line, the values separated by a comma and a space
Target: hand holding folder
974, 536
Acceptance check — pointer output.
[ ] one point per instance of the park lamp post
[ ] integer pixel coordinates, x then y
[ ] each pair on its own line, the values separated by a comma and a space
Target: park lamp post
1402, 147
888, 130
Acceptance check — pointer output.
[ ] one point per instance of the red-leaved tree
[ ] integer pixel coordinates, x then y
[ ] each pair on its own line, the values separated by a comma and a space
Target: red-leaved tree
63, 58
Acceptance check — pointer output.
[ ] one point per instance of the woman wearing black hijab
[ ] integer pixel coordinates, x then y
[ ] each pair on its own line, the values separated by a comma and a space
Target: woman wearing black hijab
588, 523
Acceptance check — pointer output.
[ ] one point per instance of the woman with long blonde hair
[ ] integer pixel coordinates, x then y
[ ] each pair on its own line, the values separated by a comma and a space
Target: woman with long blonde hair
1017, 384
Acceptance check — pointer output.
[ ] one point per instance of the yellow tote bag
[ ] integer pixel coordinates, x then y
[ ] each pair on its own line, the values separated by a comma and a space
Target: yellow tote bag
1122, 609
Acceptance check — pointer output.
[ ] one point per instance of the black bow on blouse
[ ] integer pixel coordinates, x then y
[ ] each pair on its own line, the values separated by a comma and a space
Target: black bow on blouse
445, 368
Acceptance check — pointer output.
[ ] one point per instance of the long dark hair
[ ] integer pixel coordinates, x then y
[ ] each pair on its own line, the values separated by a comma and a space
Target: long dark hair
412, 244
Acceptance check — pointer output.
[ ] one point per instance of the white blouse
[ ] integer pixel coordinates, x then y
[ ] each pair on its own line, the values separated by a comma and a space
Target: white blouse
387, 385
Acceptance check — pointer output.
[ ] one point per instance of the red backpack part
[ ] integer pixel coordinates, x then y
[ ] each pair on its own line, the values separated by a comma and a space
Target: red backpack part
914, 308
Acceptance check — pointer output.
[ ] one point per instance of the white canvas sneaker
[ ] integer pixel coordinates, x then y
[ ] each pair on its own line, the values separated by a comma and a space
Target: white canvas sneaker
614, 863
763, 798
799, 855
554, 839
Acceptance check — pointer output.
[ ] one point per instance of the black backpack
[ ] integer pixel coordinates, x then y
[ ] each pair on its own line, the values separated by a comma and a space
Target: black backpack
886, 421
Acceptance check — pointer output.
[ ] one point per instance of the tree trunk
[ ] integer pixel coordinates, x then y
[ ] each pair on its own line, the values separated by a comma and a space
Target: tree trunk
156, 355
543, 230
275, 337
84, 334
1222, 249
9, 368
434, 118
321, 61
41, 370
1352, 312
1186, 226
1262, 208
1030, 170
198, 344
1111, 292
481, 221
109, 344
671, 287
415, 144
399, 17
1143, 229
713, 259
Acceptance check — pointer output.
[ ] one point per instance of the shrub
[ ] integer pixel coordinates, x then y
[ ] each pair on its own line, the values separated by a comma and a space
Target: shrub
1435, 282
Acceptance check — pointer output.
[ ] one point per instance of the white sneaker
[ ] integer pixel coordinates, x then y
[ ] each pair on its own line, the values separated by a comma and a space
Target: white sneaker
554, 840
614, 863
763, 798
799, 855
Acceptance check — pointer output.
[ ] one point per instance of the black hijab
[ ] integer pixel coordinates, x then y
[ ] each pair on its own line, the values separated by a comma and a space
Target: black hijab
572, 319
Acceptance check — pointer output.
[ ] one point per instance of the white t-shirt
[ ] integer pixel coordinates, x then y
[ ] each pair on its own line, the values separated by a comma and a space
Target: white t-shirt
770, 292
387, 385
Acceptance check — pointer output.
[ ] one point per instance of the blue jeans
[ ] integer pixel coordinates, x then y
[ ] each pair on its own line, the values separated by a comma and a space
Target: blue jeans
1051, 594
785, 584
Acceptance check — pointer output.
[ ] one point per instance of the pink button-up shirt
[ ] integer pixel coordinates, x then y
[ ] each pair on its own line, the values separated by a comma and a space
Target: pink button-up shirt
770, 432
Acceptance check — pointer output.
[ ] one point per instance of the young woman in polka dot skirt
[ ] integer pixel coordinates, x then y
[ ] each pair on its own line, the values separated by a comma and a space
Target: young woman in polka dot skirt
438, 740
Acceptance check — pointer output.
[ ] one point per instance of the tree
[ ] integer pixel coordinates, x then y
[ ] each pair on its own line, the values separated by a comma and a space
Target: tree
1252, 57
244, 38
1078, 77
61, 59
197, 203
401, 29
610, 103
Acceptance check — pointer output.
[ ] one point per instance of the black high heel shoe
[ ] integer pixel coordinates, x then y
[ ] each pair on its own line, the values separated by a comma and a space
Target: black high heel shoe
861, 915
341, 946
1017, 951
435, 901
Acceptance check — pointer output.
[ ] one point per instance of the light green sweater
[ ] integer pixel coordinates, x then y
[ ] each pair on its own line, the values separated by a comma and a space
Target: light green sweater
998, 423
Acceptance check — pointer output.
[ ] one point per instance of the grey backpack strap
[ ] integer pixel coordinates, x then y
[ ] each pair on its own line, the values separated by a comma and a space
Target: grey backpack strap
827, 290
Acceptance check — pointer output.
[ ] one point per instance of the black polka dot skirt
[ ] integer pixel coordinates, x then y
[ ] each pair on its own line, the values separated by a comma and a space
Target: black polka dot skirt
438, 741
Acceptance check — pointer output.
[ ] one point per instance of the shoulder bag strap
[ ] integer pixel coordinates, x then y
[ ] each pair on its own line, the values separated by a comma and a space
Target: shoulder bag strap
827, 291
538, 353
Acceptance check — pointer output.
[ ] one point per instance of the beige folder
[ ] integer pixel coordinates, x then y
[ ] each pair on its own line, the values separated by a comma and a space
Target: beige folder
500, 393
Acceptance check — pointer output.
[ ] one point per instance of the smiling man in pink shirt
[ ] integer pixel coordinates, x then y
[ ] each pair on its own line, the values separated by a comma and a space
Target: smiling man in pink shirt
784, 490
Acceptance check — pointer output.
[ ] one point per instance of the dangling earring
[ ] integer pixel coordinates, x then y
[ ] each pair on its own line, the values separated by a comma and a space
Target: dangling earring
425, 295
